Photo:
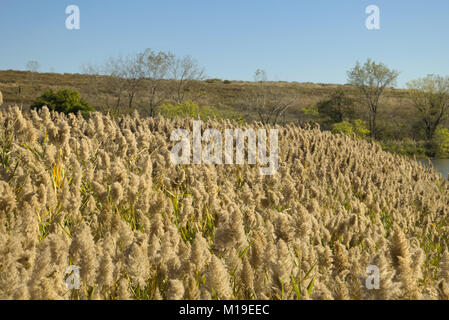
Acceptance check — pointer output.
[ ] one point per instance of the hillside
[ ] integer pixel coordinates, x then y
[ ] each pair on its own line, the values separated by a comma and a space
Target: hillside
396, 115
102, 195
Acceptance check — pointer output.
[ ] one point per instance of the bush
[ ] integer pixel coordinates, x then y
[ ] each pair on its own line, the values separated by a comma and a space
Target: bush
357, 128
406, 146
338, 107
65, 100
441, 141
311, 112
360, 128
215, 80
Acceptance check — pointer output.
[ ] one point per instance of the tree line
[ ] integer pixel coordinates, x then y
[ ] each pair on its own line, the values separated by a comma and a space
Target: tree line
429, 96
145, 71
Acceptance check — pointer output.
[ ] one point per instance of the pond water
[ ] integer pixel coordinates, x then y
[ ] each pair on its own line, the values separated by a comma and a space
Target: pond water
440, 165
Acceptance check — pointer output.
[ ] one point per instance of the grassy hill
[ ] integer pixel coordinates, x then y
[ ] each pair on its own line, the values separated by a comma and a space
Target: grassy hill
397, 119
21, 87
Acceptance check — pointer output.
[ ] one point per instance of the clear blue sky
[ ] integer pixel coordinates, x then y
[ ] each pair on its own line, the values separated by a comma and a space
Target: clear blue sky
316, 41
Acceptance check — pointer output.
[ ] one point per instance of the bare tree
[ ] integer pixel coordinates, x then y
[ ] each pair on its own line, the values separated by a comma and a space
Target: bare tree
268, 100
430, 96
124, 75
372, 78
156, 69
185, 71
134, 74
33, 66
115, 70
148, 70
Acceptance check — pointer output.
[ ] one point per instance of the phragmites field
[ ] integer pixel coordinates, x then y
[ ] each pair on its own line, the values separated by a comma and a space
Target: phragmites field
102, 195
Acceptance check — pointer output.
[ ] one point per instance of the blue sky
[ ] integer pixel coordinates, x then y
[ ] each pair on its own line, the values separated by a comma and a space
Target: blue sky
315, 41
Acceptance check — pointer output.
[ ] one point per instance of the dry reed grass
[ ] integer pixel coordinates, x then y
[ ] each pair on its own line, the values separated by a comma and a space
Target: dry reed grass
103, 195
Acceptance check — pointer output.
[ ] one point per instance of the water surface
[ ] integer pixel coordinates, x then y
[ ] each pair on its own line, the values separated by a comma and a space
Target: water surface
440, 165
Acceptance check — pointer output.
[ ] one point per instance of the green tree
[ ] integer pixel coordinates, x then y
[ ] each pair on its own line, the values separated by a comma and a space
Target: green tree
372, 78
441, 141
337, 107
64, 100
430, 96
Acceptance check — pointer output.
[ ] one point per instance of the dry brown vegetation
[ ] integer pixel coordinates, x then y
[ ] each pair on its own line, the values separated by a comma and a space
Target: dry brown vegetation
396, 113
102, 194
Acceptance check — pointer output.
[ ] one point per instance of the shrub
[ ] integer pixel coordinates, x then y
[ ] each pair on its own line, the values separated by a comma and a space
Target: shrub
311, 112
344, 127
65, 100
215, 80
356, 127
360, 128
441, 141
336, 108
406, 146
